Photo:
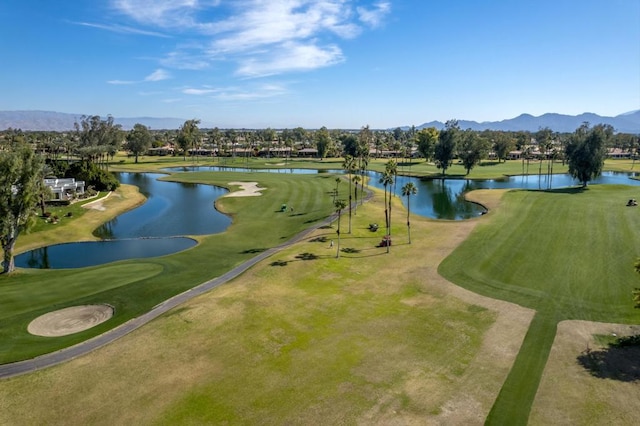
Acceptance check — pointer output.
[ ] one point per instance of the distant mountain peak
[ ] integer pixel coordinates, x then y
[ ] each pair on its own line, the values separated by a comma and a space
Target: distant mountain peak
624, 123
628, 122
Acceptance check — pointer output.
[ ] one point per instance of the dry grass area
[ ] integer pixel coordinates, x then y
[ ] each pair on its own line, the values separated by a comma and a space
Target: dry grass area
570, 394
302, 338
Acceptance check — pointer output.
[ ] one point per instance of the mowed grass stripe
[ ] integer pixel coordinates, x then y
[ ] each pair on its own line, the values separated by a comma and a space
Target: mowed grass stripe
256, 226
567, 254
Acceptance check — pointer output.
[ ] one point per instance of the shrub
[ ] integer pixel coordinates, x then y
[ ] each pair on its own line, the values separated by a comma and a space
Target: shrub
91, 174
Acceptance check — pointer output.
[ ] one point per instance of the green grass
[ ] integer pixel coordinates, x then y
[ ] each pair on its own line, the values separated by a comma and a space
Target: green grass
568, 254
366, 338
258, 225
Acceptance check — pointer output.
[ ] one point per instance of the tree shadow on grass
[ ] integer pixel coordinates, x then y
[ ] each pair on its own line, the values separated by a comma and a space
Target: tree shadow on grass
307, 256
567, 190
350, 250
300, 257
619, 361
253, 250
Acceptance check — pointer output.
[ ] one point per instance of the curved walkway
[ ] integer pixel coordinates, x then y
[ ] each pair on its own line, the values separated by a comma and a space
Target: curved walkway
66, 354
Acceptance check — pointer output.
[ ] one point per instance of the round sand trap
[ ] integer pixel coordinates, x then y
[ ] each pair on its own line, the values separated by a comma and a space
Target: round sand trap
70, 320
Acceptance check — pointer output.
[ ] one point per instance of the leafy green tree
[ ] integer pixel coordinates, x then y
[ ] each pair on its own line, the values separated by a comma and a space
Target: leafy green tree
408, 190
586, 151
21, 186
323, 141
92, 175
138, 140
445, 148
471, 149
188, 136
349, 145
427, 139
339, 205
502, 145
97, 138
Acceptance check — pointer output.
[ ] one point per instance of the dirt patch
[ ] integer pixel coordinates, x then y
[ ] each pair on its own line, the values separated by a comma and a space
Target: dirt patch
70, 320
97, 204
247, 189
572, 393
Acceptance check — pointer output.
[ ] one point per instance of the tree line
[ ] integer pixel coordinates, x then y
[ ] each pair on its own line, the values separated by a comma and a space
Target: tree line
26, 158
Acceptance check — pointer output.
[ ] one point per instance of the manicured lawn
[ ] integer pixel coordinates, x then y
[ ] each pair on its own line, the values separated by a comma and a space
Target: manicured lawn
568, 254
307, 338
258, 225
301, 338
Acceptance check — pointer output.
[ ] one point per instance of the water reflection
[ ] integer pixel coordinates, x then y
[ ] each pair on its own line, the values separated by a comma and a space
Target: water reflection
90, 253
171, 209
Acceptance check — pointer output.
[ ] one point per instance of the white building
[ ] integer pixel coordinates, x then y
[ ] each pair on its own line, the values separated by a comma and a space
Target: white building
64, 189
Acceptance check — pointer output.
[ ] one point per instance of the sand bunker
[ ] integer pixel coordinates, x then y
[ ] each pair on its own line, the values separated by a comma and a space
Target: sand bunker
70, 320
247, 189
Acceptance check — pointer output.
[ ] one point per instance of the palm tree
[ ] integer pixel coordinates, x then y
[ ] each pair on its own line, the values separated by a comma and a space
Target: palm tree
356, 179
391, 168
335, 192
387, 181
349, 166
340, 205
407, 190
364, 163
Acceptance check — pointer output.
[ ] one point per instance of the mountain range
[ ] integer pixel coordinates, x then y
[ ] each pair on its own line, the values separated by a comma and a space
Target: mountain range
57, 121
624, 123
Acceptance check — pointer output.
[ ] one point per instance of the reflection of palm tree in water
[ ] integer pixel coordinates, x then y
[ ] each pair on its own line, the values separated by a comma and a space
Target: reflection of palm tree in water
39, 258
105, 231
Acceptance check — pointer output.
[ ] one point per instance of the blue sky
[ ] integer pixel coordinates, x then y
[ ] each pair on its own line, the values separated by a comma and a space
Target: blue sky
334, 63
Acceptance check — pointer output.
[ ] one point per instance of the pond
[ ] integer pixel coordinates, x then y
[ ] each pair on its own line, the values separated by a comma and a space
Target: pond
173, 210
444, 198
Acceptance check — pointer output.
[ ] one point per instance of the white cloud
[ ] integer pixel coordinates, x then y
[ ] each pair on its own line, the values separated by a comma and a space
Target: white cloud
185, 60
291, 57
199, 92
263, 37
373, 17
158, 75
122, 29
258, 92
121, 82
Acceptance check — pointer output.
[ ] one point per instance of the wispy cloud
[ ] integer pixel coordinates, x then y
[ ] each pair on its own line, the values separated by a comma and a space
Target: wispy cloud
236, 93
292, 57
122, 29
260, 92
374, 17
261, 37
121, 82
158, 75
198, 92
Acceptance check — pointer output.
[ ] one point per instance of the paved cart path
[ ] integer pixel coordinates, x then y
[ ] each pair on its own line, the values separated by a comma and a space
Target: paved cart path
66, 354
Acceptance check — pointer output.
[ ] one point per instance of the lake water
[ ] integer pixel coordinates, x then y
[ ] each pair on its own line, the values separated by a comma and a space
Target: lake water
174, 210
